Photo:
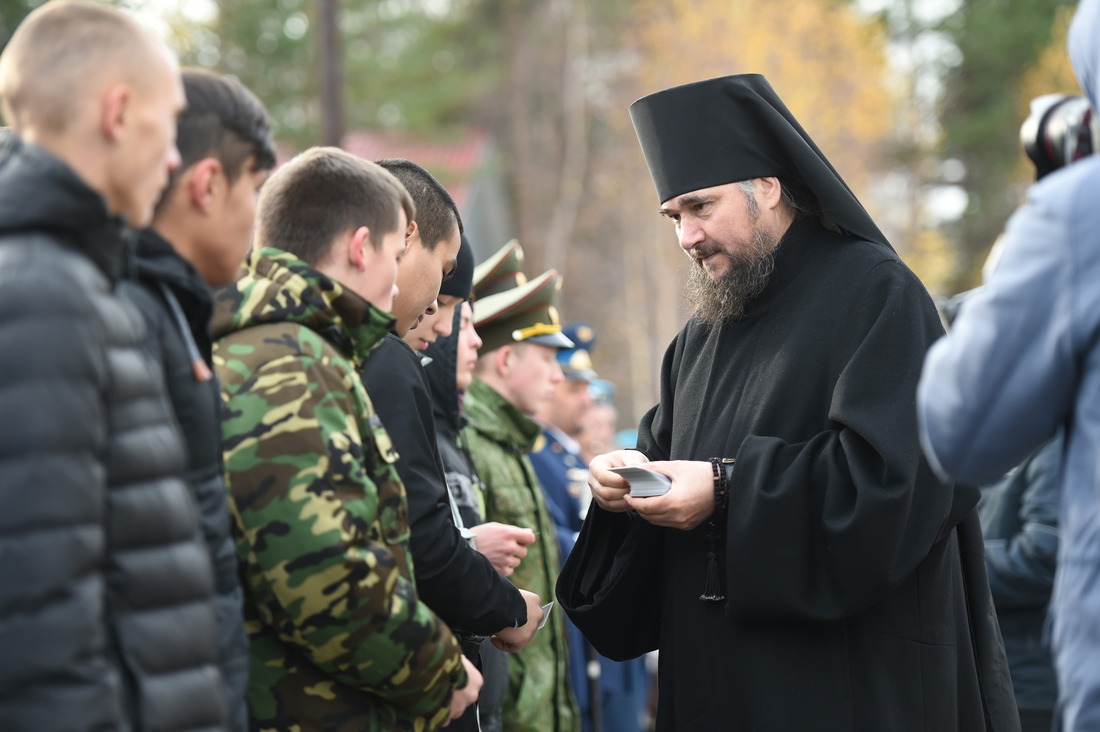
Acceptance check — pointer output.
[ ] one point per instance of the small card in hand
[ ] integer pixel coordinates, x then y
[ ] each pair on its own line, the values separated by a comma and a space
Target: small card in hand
545, 614
644, 482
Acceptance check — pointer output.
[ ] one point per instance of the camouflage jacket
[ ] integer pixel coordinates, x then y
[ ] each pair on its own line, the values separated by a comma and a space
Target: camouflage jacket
339, 639
500, 437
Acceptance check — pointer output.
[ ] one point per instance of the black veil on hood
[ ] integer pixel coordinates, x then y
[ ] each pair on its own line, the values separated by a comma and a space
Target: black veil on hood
735, 128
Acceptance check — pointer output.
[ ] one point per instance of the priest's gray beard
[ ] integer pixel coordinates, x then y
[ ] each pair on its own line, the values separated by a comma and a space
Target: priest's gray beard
718, 301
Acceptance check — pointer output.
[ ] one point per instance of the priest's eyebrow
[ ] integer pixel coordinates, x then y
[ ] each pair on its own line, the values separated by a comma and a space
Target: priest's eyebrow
685, 202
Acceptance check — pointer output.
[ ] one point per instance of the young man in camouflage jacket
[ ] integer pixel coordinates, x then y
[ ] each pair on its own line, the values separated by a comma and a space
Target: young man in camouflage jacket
340, 640
516, 372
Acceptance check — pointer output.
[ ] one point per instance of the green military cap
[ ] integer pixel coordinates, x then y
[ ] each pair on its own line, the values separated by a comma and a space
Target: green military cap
500, 272
524, 314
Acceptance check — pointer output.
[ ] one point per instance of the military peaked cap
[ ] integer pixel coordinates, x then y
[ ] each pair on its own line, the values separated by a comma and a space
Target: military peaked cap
524, 314
502, 271
576, 362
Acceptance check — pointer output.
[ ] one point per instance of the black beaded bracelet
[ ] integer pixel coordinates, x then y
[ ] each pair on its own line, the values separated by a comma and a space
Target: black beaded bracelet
723, 471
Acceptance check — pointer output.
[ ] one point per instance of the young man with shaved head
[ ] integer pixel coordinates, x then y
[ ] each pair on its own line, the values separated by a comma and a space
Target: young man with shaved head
106, 618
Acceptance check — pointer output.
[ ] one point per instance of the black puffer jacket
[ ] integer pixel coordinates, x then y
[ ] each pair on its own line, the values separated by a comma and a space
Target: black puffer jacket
177, 307
106, 619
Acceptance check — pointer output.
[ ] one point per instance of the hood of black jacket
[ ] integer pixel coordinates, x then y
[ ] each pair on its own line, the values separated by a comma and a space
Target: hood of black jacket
159, 264
40, 193
446, 399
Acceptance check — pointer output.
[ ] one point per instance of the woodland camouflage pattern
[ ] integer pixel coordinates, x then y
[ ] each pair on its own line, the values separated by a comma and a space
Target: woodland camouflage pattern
339, 639
539, 698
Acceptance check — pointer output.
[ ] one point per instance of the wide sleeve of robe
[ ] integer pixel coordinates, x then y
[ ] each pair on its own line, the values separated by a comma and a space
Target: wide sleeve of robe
840, 545
832, 504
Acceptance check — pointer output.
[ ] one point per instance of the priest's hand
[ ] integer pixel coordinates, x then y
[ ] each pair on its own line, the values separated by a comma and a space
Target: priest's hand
687, 504
503, 545
511, 640
609, 489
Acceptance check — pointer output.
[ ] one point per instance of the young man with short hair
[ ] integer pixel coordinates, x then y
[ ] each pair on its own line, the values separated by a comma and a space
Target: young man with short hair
434, 240
106, 615
202, 228
340, 638
449, 373
456, 581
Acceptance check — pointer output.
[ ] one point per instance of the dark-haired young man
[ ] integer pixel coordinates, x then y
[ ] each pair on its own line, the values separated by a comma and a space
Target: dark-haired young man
340, 638
202, 228
456, 581
433, 240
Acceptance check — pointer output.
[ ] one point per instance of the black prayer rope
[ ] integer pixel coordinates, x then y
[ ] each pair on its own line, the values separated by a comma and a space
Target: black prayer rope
712, 590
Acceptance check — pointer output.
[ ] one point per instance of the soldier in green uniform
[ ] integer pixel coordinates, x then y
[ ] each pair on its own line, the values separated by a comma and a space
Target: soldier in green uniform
515, 374
339, 639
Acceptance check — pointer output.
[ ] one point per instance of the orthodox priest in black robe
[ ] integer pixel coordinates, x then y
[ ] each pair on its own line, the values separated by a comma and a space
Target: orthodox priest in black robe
807, 570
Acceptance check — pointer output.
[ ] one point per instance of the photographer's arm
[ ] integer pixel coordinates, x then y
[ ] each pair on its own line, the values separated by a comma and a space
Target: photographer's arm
997, 385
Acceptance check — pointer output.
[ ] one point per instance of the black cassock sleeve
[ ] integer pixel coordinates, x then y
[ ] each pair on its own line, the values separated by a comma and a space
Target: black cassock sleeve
611, 584
455, 581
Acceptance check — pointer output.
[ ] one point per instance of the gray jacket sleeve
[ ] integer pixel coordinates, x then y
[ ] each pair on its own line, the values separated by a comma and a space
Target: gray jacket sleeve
1024, 356
1021, 562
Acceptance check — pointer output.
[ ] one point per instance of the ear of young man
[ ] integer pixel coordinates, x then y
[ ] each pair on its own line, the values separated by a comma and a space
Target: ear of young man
206, 182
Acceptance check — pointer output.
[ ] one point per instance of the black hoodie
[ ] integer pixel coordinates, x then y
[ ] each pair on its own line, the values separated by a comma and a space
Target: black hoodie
177, 306
106, 619
464, 485
458, 468
460, 585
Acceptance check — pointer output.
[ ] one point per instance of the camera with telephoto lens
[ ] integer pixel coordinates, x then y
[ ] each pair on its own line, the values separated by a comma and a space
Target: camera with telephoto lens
1060, 129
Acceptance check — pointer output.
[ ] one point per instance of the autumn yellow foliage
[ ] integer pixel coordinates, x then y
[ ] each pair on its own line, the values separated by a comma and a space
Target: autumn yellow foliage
1051, 74
828, 63
825, 60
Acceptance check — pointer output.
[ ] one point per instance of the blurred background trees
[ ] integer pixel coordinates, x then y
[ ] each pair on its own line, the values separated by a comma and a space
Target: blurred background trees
917, 103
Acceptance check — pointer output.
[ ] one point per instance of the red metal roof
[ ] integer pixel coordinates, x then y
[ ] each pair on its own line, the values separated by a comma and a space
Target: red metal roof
453, 162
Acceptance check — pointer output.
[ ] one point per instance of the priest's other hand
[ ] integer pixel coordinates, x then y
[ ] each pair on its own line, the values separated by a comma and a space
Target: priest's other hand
511, 640
608, 488
468, 694
503, 545
687, 504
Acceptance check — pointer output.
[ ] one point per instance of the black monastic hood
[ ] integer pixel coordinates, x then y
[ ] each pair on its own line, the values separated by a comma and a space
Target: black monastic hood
735, 128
